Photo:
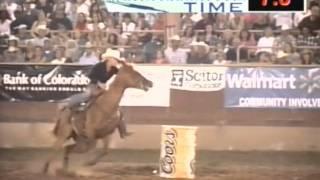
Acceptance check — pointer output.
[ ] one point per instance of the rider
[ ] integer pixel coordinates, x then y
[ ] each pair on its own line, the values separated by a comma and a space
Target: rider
99, 75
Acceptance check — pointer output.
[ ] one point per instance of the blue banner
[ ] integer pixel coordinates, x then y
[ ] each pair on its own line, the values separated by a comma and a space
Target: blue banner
272, 88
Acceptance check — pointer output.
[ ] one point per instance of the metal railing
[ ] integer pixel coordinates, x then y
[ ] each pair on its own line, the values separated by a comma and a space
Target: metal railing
256, 47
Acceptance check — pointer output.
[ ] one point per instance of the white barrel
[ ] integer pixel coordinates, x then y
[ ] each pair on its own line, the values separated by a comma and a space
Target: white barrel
178, 152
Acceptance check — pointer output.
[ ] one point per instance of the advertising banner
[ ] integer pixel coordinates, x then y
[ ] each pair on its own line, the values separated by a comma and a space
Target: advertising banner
24, 82
272, 88
198, 78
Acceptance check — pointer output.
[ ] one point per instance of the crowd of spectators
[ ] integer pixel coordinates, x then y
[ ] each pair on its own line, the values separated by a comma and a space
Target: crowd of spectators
79, 31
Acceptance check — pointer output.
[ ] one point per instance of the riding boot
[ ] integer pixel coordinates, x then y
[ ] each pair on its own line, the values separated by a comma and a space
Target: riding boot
122, 128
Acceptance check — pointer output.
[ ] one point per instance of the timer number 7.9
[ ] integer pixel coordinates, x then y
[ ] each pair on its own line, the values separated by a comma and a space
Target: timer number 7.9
281, 2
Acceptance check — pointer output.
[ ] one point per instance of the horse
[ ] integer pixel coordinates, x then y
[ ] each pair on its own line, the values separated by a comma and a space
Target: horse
98, 121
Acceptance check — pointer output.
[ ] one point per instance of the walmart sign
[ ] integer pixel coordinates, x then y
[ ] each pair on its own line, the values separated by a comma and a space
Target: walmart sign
272, 88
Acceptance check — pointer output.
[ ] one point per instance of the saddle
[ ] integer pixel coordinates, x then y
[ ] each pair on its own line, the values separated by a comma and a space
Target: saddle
78, 118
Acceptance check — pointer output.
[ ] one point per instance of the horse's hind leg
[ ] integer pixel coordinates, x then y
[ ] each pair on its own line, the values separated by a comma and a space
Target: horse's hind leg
82, 145
103, 152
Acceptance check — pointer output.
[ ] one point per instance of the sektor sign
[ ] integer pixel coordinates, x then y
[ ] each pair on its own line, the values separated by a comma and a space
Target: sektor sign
198, 78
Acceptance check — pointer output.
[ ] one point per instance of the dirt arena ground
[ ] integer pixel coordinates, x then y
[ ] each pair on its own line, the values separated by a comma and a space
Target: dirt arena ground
21, 164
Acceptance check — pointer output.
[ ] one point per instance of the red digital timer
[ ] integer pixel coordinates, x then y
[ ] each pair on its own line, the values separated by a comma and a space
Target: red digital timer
276, 5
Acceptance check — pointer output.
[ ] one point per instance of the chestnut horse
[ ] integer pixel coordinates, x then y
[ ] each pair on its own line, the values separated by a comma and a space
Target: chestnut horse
98, 121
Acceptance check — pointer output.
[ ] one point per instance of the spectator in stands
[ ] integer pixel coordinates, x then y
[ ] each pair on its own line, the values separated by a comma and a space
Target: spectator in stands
237, 22
11, 6
72, 50
150, 49
247, 38
283, 20
83, 7
143, 25
41, 20
160, 58
40, 35
94, 8
203, 53
206, 19
266, 43
159, 23
48, 51
29, 52
306, 57
107, 19
38, 55
13, 55
305, 38
29, 14
89, 56
174, 54
262, 22
60, 56
18, 21
312, 22
287, 54
210, 36
265, 58
193, 53
96, 23
113, 39
46, 6
127, 25
81, 23
284, 37
13, 41
60, 21
227, 36
64, 6
232, 52
187, 37
186, 21
221, 22
219, 56
5, 22
22, 34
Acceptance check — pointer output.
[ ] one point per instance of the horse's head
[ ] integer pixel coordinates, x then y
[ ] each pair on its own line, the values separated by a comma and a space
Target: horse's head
132, 78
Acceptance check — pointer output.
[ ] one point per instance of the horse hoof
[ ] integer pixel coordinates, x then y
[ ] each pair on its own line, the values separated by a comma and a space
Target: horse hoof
45, 168
64, 172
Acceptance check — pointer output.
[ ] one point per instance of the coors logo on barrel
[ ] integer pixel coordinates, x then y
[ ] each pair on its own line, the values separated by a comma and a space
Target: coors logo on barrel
167, 162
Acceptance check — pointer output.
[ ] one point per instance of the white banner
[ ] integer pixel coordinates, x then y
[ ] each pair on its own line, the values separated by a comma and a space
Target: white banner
158, 95
198, 78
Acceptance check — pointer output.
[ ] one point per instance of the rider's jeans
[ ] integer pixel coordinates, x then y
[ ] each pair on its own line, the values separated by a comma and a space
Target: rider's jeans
82, 97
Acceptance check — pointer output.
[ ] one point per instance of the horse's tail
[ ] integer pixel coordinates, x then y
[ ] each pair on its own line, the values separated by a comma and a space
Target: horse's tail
56, 127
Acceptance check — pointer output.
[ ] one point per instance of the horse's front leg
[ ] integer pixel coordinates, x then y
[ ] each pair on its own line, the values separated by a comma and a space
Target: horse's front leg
103, 152
57, 147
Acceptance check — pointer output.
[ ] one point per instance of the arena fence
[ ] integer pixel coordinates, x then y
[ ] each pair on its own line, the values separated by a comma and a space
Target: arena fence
204, 100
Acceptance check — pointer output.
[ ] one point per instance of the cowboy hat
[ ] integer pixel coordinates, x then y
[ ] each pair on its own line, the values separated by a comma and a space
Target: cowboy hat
203, 44
13, 38
285, 27
88, 45
175, 38
21, 26
42, 27
110, 53
281, 54
12, 49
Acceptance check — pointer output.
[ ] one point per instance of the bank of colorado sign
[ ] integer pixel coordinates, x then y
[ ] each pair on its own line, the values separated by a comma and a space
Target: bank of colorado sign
272, 88
198, 78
